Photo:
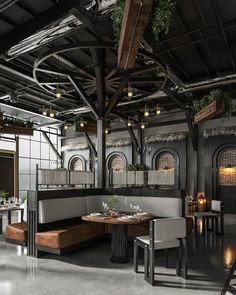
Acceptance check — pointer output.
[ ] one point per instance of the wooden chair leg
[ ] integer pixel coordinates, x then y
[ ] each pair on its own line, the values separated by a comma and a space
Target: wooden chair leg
135, 256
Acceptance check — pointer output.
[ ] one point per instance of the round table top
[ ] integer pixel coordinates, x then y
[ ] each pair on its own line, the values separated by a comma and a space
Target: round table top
119, 219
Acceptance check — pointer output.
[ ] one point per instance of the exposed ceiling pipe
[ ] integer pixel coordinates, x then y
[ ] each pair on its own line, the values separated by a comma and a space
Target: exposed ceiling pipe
6, 4
196, 86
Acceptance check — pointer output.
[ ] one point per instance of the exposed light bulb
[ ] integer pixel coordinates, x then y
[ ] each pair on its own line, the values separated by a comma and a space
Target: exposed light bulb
81, 124
129, 124
130, 92
142, 125
158, 110
65, 126
52, 114
146, 113
45, 112
58, 93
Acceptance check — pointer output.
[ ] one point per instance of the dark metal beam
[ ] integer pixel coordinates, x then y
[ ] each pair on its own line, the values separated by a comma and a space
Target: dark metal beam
223, 34
90, 143
51, 144
174, 98
116, 96
38, 22
89, 102
134, 139
193, 130
101, 151
99, 62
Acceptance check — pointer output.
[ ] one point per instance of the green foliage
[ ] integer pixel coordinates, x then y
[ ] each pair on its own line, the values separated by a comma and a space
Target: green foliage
16, 121
136, 167
117, 16
217, 95
162, 14
3, 194
113, 201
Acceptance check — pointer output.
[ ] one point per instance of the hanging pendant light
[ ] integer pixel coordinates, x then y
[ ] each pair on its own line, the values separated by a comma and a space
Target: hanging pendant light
130, 91
146, 112
158, 110
44, 112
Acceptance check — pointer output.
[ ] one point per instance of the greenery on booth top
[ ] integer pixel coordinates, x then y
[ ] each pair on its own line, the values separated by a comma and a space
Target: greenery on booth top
3, 194
137, 167
215, 95
16, 121
160, 19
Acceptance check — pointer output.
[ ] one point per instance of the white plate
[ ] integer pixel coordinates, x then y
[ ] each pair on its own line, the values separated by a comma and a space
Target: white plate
142, 213
127, 217
95, 214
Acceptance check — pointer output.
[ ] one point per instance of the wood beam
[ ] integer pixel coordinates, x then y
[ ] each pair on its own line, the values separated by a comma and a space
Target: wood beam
90, 143
193, 130
134, 21
51, 144
89, 102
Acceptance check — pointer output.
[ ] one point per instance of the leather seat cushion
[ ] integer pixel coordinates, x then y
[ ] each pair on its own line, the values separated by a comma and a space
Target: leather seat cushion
70, 235
16, 231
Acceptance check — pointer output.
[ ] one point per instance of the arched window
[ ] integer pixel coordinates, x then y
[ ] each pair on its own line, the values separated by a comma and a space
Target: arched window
227, 167
116, 161
165, 161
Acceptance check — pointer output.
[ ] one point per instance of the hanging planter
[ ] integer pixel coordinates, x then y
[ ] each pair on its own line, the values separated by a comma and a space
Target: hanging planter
15, 126
215, 104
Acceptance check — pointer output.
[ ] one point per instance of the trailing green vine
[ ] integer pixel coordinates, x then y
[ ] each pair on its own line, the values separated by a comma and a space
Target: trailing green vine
162, 14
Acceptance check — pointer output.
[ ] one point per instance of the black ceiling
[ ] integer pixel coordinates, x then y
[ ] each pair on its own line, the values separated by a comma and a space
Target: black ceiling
198, 54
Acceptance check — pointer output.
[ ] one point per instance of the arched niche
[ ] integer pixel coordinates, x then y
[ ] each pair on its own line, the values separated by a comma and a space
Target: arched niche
167, 158
77, 163
116, 161
224, 176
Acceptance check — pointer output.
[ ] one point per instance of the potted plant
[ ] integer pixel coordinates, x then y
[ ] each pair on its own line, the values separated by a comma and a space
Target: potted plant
112, 203
212, 105
4, 196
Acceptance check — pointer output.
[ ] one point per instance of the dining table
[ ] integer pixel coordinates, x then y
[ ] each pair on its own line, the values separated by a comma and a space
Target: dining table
119, 234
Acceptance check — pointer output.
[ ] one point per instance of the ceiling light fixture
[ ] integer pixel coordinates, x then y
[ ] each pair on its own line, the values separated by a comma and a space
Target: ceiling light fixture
142, 126
66, 126
44, 112
129, 123
108, 130
146, 112
130, 91
58, 92
158, 110
52, 113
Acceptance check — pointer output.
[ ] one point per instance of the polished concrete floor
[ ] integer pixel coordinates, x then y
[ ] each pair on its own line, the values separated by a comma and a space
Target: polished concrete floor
89, 271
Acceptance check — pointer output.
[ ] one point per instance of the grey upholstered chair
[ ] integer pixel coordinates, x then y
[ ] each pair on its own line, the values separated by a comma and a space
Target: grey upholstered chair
165, 233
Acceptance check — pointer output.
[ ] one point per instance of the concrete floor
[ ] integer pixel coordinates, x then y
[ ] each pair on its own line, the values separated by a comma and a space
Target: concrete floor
89, 271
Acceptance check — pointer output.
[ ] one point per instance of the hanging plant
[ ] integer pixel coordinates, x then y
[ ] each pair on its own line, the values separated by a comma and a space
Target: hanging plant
219, 96
162, 14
